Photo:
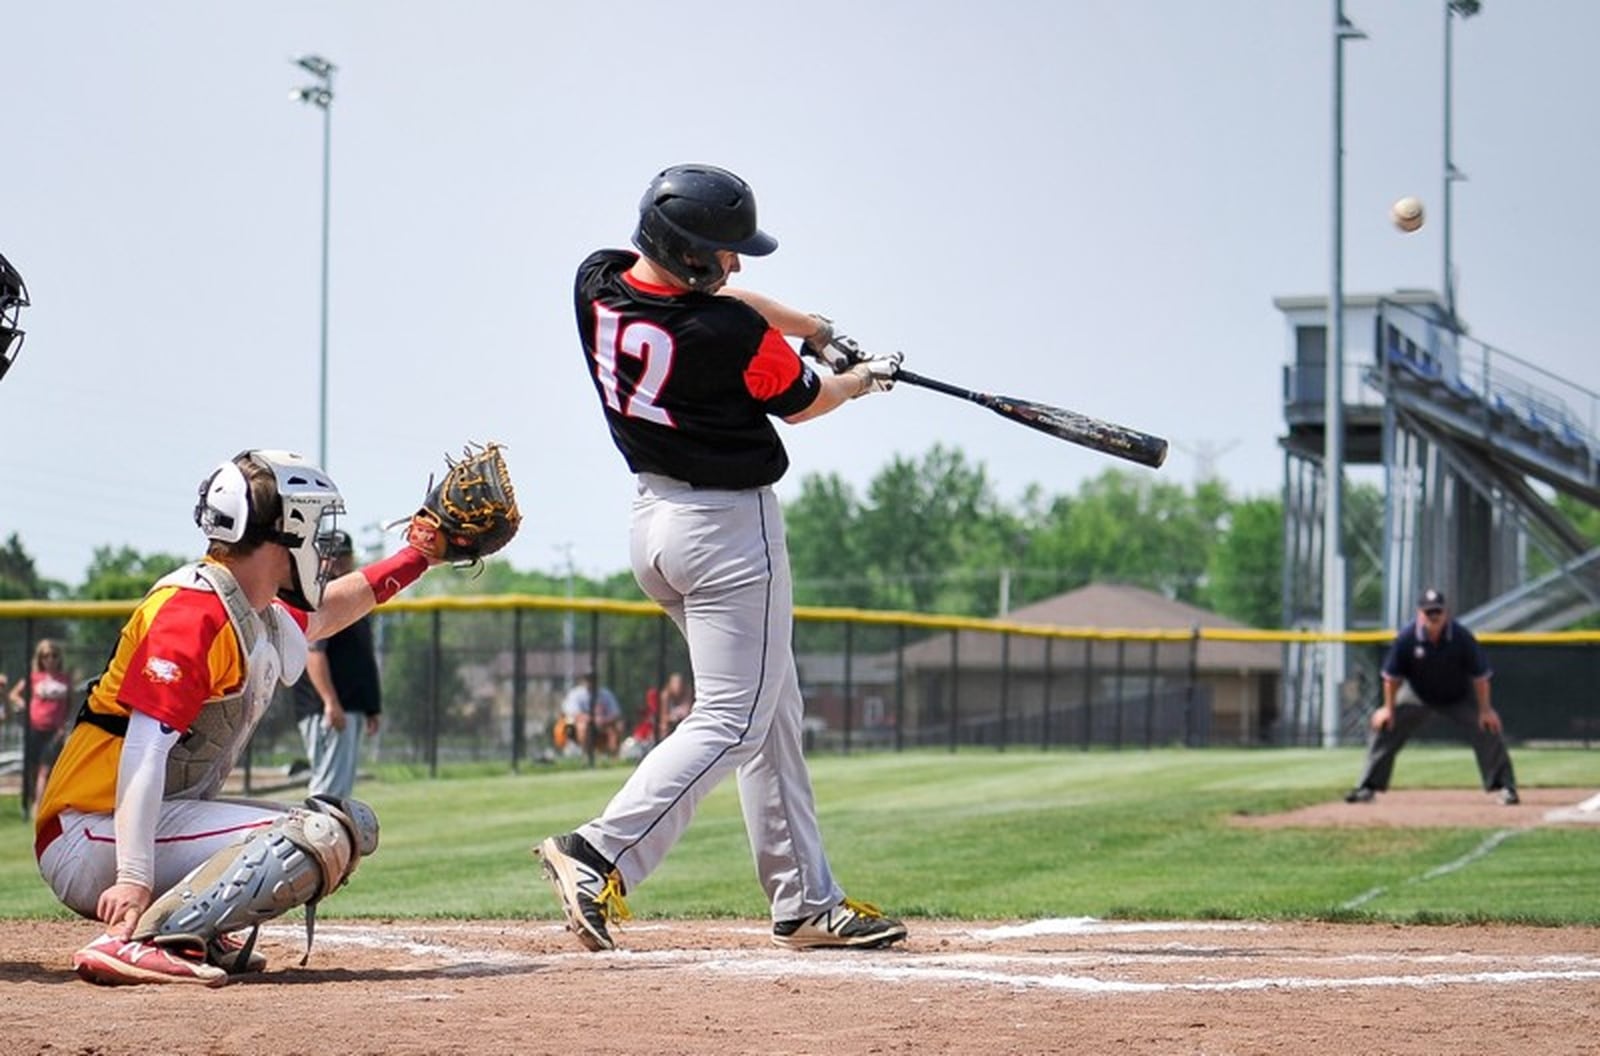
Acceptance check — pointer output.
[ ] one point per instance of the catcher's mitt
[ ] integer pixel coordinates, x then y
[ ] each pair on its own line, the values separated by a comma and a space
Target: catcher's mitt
469, 514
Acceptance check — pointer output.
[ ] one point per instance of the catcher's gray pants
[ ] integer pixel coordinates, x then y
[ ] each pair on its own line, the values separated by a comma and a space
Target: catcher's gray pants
333, 753
718, 563
1494, 761
82, 861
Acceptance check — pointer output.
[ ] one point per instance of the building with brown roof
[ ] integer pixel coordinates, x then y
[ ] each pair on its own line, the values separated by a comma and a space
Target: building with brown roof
1137, 674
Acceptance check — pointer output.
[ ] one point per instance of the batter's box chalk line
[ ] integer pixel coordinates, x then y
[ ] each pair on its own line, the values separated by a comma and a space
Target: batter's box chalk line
1030, 971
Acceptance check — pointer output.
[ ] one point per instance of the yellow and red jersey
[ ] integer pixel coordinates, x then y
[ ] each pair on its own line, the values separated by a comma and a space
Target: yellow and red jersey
177, 652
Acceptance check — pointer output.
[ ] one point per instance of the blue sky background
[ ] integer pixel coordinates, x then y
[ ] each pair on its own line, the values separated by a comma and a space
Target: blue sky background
1088, 203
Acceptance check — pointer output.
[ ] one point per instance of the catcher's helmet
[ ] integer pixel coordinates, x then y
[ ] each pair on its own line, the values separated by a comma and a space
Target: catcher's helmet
13, 298
688, 213
301, 514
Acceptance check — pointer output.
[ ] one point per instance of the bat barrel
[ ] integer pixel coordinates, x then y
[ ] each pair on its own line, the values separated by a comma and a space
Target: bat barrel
1105, 437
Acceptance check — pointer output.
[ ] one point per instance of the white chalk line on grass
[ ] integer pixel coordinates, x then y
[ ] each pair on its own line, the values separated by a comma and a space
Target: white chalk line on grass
1492, 841
1586, 811
975, 968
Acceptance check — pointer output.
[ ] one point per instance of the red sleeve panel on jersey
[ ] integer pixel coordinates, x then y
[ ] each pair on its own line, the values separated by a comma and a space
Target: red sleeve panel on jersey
779, 378
169, 675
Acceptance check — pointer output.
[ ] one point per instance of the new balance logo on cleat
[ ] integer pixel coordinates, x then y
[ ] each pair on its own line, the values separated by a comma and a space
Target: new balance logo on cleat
591, 896
111, 961
849, 925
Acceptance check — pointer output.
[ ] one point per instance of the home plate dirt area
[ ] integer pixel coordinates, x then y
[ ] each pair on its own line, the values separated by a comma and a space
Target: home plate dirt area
1069, 985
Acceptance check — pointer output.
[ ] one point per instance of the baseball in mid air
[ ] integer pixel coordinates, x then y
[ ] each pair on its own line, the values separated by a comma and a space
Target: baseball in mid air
1407, 213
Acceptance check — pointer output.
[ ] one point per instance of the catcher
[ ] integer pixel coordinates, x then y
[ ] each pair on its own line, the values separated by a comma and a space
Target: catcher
131, 830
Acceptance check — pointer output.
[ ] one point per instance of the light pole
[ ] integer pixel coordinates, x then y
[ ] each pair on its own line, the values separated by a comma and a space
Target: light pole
1333, 583
1466, 9
321, 96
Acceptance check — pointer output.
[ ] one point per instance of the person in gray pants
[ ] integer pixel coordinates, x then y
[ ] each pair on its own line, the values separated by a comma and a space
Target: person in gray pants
1446, 673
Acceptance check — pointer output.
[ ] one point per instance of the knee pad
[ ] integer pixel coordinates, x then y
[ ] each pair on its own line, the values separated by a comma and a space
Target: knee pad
298, 860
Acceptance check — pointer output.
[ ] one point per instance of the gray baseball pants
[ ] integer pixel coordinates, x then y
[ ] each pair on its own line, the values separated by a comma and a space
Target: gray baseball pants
334, 753
1494, 761
718, 563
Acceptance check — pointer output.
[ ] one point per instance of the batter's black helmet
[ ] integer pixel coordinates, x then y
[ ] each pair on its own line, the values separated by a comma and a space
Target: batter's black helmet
689, 212
13, 298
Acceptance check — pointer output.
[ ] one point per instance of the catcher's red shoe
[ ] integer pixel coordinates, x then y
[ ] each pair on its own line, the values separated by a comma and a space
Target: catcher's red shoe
110, 961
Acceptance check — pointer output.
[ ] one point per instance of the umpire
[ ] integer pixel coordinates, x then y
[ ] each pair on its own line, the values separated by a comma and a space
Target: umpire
337, 699
1444, 668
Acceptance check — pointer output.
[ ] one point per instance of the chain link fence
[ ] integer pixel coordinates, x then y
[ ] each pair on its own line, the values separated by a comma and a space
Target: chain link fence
480, 680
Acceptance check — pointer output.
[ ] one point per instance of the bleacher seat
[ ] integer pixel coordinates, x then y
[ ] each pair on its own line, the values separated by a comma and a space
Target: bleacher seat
1460, 389
1569, 437
1418, 369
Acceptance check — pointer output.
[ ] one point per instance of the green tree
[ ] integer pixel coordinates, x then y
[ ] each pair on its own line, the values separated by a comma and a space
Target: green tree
1245, 576
1127, 528
115, 574
1584, 517
122, 573
932, 534
823, 525
1363, 547
20, 581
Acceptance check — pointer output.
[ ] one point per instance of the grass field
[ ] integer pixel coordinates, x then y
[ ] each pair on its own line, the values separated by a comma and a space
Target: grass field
980, 835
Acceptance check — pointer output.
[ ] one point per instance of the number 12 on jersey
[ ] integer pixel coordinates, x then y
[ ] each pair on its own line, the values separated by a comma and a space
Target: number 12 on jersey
644, 341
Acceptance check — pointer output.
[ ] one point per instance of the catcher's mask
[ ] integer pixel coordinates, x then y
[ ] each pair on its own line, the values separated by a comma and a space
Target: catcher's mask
13, 298
688, 213
298, 511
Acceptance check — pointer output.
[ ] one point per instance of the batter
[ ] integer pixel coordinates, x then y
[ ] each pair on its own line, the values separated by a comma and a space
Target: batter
690, 374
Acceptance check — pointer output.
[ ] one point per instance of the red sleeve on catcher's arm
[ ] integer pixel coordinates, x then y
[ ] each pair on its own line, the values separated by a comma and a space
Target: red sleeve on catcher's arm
395, 573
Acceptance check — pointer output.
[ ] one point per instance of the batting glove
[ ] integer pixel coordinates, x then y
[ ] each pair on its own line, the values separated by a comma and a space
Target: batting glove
877, 373
840, 353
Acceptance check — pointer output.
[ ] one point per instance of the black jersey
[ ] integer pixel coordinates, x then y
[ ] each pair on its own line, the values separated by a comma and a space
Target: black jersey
1441, 672
688, 380
354, 668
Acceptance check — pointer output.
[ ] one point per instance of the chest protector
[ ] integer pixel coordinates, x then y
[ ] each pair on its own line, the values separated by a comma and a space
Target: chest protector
272, 649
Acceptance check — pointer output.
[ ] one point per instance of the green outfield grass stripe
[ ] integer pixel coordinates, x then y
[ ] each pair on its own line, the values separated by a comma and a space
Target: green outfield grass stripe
983, 836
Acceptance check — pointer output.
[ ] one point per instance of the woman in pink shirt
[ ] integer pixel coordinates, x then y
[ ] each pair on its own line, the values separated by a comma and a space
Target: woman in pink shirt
49, 693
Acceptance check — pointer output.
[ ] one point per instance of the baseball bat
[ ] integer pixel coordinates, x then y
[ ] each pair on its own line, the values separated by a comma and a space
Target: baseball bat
1105, 437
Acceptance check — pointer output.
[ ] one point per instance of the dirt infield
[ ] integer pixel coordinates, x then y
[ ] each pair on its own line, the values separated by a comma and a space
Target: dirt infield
1043, 987
1443, 808
1056, 986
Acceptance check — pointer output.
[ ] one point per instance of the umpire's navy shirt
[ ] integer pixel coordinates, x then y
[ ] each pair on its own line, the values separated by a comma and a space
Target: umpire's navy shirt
1440, 672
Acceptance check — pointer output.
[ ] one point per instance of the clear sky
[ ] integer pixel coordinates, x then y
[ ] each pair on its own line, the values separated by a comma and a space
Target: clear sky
1087, 202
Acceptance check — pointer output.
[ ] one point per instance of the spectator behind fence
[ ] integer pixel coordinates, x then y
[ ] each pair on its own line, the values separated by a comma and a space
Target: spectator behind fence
48, 693
592, 719
664, 707
676, 701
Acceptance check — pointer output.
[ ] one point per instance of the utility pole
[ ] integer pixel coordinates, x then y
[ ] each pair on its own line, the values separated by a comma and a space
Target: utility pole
1333, 577
321, 96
